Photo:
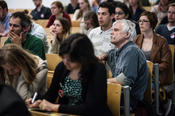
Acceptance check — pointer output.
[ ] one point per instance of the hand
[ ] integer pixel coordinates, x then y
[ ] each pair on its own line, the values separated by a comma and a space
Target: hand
103, 57
34, 105
45, 105
112, 80
17, 39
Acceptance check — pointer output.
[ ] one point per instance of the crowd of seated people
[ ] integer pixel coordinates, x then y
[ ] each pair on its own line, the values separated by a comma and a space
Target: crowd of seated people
121, 34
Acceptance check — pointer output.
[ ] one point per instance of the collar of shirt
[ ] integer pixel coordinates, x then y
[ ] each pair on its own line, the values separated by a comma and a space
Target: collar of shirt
107, 31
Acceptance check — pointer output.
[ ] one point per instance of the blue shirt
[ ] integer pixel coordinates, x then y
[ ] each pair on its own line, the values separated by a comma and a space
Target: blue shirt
5, 22
130, 61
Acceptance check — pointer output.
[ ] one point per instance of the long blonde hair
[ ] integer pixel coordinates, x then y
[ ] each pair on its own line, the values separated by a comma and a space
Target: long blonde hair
16, 56
80, 14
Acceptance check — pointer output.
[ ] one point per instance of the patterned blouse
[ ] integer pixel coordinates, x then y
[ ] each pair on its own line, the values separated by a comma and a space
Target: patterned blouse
72, 89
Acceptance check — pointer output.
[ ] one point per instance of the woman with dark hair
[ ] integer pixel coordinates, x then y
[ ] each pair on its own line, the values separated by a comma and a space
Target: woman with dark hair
80, 81
123, 12
59, 30
57, 10
136, 9
154, 46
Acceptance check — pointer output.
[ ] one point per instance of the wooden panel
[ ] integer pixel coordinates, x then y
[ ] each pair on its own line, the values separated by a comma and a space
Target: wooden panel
147, 8
75, 30
148, 92
75, 23
42, 22
113, 98
2, 41
53, 60
49, 78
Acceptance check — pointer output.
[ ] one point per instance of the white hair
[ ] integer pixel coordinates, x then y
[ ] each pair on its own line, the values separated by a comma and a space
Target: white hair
127, 26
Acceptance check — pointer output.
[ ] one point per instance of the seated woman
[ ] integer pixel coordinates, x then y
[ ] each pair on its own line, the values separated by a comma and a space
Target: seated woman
123, 12
135, 7
154, 46
57, 10
59, 30
80, 13
80, 81
25, 72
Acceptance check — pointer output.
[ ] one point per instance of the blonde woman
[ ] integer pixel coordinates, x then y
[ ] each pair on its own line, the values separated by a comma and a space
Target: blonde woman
80, 13
23, 71
59, 30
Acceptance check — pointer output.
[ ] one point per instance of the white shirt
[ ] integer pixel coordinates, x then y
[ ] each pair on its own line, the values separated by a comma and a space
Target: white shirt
101, 40
38, 31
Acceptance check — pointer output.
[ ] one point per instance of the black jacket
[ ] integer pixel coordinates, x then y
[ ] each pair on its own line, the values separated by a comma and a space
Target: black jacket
94, 92
11, 103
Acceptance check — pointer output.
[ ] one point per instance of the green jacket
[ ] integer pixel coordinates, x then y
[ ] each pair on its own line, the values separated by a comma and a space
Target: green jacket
33, 45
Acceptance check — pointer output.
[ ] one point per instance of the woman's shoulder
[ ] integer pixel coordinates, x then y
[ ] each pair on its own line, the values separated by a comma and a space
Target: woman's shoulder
160, 38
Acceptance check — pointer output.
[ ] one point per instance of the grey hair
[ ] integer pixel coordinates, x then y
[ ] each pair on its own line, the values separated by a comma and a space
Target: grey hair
127, 26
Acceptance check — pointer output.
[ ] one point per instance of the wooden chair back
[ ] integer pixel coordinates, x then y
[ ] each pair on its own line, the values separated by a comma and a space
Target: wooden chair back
113, 98
42, 22
53, 60
148, 92
2, 41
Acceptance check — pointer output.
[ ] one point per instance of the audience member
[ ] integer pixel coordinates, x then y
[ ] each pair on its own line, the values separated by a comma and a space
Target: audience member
11, 103
18, 34
95, 5
72, 7
168, 30
127, 62
59, 30
100, 36
40, 12
82, 82
4, 18
38, 31
136, 9
57, 11
90, 22
161, 9
23, 71
154, 46
80, 13
123, 12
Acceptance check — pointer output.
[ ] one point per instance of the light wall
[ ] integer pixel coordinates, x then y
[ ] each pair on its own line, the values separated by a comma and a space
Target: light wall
28, 4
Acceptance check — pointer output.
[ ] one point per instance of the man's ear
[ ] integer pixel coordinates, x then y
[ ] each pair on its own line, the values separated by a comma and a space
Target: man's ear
128, 35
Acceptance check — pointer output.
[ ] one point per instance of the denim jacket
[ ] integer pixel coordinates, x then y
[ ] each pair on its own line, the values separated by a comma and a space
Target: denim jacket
130, 61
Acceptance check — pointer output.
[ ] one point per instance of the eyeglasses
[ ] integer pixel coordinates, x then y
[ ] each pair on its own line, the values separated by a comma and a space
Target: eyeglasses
143, 21
119, 13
